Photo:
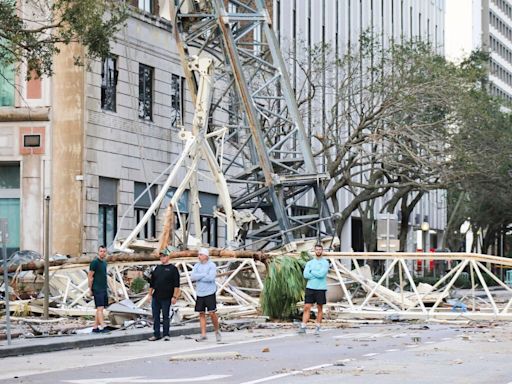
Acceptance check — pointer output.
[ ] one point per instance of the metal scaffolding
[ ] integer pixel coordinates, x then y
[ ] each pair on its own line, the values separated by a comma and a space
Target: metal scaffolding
264, 151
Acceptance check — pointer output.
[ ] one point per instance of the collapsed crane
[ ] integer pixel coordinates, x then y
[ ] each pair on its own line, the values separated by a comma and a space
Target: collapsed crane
247, 128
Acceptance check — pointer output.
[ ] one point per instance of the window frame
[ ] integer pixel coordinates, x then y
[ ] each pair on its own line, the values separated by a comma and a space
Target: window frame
109, 83
177, 100
146, 89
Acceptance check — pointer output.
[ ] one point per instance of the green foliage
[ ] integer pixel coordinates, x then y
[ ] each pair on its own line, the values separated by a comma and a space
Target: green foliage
481, 153
33, 35
284, 286
137, 285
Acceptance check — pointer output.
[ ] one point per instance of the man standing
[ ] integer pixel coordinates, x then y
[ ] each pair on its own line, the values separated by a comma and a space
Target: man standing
315, 273
164, 290
98, 286
204, 274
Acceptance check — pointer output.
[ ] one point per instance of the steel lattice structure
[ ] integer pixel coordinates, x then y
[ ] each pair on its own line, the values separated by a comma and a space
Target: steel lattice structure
264, 153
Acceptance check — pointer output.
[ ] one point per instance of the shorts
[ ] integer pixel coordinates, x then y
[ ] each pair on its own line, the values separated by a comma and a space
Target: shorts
315, 296
100, 298
206, 302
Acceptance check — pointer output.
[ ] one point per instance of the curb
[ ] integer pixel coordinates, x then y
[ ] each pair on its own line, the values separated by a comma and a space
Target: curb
53, 344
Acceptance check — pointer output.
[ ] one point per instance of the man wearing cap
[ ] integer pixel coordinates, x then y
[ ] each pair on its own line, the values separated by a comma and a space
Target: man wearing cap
164, 289
204, 274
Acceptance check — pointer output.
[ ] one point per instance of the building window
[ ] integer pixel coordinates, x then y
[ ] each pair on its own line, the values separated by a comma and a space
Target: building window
177, 100
107, 212
209, 225
145, 92
7, 86
108, 84
146, 5
143, 200
10, 203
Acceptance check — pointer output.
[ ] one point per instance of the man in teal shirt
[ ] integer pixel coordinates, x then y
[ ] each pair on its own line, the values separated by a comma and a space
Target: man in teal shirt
315, 273
98, 286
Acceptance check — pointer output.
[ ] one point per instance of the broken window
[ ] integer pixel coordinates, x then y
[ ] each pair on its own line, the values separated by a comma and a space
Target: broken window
107, 211
145, 92
7, 86
177, 100
209, 223
108, 83
144, 199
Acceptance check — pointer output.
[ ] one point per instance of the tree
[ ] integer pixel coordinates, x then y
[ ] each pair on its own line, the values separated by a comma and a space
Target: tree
387, 131
482, 152
32, 30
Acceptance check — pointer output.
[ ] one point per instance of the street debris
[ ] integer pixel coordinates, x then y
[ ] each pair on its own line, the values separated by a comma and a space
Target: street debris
357, 297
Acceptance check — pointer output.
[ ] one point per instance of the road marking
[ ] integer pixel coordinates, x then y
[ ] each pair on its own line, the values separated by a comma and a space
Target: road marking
269, 378
318, 367
392, 350
360, 335
292, 373
143, 380
370, 354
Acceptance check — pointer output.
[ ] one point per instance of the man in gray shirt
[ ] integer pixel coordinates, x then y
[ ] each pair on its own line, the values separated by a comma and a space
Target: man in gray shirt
204, 273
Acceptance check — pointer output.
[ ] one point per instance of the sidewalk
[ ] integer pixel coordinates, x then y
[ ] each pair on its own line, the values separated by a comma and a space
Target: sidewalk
57, 343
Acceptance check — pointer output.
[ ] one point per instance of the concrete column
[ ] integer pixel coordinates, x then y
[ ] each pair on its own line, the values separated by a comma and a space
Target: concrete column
31, 209
67, 152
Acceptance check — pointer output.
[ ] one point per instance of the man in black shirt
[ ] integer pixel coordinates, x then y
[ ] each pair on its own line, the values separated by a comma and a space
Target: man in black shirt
164, 289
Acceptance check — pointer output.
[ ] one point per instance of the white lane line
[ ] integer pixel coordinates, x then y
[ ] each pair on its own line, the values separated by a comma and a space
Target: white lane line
269, 378
392, 350
292, 373
361, 335
370, 354
318, 367
446, 338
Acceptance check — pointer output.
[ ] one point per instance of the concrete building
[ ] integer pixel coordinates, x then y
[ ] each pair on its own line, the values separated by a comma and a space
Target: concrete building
340, 24
87, 143
484, 25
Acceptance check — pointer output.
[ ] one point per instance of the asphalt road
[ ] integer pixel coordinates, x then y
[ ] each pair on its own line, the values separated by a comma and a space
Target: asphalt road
387, 353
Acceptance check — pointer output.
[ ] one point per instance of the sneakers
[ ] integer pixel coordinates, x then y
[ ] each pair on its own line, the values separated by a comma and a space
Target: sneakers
218, 337
201, 338
154, 338
96, 330
302, 330
317, 330
167, 338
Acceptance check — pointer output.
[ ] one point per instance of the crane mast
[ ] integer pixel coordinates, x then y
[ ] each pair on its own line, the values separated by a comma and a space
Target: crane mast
265, 154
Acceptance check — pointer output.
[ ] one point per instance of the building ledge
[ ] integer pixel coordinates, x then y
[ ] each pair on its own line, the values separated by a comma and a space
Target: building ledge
8, 114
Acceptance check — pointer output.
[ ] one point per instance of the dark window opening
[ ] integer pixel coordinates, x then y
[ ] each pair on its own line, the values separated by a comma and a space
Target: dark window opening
108, 84
107, 210
145, 92
209, 229
143, 200
177, 100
